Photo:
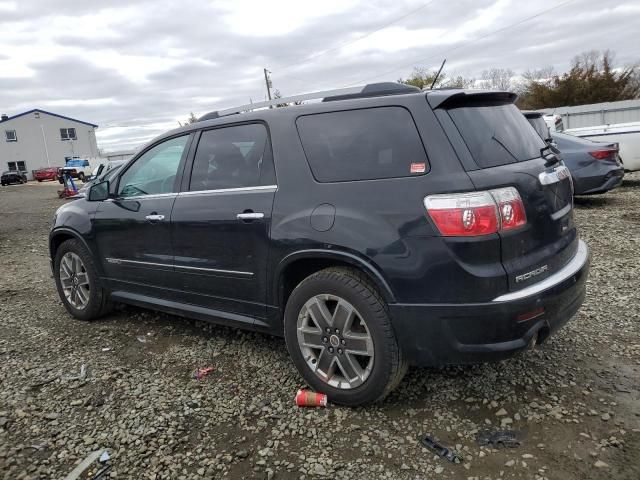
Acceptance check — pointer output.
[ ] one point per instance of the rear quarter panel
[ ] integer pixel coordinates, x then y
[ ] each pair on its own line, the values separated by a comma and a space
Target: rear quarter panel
383, 222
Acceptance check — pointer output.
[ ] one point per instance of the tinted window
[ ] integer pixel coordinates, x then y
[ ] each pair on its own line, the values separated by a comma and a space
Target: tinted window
232, 157
496, 134
362, 144
155, 171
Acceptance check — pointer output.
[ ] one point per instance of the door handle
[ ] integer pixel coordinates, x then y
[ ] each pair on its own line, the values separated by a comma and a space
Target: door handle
154, 217
250, 216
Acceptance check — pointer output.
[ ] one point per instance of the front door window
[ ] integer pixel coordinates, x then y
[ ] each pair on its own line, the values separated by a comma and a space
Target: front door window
155, 171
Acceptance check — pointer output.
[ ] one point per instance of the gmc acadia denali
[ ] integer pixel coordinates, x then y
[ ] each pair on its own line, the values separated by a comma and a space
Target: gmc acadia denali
380, 227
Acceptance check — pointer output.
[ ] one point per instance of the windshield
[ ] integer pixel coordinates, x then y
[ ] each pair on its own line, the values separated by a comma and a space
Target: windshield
496, 134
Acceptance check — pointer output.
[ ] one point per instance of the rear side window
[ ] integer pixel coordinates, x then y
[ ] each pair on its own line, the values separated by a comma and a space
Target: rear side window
496, 134
233, 157
365, 144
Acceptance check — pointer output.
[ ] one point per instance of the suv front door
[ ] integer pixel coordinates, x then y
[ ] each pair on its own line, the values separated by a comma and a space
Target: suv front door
132, 230
220, 221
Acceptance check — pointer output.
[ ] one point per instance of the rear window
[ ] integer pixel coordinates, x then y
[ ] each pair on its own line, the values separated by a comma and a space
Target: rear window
496, 133
364, 144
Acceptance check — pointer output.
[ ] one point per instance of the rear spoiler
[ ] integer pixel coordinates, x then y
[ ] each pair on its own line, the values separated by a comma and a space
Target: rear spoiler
464, 98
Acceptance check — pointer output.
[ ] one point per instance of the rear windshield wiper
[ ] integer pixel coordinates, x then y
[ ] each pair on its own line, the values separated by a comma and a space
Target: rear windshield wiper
493, 137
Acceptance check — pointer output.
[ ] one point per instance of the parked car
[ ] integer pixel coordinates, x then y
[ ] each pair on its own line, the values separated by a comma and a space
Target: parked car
13, 177
77, 168
46, 174
105, 175
539, 124
595, 167
402, 227
627, 135
104, 167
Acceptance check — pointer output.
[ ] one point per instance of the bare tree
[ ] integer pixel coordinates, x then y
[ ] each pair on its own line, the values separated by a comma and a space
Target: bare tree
497, 79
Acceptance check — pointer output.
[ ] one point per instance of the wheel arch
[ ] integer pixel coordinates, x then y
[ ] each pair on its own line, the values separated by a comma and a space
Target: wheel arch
61, 235
296, 266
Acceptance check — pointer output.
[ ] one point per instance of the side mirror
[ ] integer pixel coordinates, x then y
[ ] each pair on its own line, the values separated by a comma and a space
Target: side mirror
99, 191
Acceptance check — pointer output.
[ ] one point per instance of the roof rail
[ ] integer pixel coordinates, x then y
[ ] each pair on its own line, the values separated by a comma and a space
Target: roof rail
371, 90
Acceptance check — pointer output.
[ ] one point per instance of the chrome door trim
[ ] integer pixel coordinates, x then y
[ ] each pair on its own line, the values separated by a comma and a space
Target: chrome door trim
263, 188
214, 270
122, 261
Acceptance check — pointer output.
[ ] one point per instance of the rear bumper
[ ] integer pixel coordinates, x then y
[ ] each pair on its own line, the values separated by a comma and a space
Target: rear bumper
437, 334
589, 181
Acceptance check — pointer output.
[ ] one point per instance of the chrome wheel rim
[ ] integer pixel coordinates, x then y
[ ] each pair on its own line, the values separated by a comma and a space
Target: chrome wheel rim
75, 281
335, 341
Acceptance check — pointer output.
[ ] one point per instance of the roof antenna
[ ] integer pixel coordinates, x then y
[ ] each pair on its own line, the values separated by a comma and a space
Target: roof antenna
438, 74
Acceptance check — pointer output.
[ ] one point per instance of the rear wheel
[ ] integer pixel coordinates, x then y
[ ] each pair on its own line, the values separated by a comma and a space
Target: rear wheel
339, 335
78, 282
81, 177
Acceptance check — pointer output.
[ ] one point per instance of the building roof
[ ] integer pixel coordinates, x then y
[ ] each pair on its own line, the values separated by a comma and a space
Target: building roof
48, 113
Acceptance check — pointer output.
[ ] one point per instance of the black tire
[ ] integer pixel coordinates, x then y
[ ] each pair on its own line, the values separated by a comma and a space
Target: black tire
389, 366
98, 304
81, 177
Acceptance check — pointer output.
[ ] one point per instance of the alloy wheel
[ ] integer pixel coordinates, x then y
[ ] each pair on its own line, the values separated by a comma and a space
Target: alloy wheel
75, 281
335, 341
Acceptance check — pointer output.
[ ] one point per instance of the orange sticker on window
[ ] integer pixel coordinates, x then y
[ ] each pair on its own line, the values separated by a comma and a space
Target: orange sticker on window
418, 167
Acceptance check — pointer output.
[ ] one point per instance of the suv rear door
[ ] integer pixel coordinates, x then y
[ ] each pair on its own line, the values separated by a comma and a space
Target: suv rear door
499, 149
221, 220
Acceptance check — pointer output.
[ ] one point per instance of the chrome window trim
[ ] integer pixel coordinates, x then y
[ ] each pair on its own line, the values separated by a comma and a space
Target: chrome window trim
577, 262
265, 188
121, 261
144, 197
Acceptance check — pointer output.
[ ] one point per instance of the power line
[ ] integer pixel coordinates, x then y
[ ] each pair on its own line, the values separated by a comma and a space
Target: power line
482, 37
344, 44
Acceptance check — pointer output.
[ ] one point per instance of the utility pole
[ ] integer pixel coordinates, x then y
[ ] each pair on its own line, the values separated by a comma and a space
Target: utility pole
268, 82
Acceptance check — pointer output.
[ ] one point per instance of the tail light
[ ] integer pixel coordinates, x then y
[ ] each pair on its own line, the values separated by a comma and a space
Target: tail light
476, 213
603, 154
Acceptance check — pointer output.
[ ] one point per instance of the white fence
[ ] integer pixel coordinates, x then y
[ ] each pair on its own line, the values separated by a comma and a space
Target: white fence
624, 111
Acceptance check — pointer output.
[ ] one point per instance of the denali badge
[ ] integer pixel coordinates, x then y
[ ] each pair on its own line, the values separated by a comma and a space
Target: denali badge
532, 273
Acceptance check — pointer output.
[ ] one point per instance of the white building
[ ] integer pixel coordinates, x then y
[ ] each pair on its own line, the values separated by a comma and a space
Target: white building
39, 139
119, 155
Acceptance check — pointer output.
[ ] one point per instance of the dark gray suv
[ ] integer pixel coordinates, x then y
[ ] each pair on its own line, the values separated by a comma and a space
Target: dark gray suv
381, 227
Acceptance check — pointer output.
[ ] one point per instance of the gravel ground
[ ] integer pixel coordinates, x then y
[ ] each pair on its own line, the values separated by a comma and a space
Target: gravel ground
575, 400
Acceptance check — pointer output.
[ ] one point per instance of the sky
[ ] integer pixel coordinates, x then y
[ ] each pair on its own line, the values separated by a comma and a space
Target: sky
138, 67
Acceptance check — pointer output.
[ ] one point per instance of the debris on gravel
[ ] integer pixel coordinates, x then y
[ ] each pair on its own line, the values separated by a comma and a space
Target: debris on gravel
576, 399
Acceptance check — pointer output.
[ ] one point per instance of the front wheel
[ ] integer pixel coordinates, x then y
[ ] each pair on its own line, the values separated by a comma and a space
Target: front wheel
78, 282
339, 335
81, 177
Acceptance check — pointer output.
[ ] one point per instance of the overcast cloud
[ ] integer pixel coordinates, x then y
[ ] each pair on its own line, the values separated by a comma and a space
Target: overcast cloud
137, 67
